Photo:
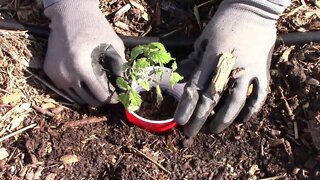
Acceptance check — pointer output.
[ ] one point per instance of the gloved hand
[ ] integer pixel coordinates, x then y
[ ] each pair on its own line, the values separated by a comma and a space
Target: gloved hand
80, 36
247, 27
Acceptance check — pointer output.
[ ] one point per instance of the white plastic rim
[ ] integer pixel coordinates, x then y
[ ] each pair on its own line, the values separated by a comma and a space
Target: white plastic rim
176, 91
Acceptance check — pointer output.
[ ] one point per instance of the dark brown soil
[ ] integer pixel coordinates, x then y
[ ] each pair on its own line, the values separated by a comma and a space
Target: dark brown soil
151, 110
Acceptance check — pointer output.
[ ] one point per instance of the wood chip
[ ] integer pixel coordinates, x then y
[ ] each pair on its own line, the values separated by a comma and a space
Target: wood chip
253, 169
3, 153
313, 81
137, 5
69, 159
224, 68
121, 12
122, 25
11, 98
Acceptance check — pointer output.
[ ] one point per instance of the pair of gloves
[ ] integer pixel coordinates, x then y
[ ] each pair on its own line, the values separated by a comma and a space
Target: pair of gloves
81, 36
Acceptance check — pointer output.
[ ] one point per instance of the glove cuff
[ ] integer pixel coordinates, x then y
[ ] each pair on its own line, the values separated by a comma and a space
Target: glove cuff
270, 9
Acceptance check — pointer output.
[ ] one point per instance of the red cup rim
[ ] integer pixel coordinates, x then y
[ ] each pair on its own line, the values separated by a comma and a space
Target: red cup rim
151, 121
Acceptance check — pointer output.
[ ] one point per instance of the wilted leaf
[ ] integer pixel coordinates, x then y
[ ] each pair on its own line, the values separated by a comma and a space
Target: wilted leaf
69, 159
159, 94
3, 153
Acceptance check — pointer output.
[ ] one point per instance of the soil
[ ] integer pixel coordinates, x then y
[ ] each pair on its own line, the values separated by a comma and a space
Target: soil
151, 110
280, 142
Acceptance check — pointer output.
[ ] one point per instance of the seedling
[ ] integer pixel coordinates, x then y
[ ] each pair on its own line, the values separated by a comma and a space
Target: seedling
146, 62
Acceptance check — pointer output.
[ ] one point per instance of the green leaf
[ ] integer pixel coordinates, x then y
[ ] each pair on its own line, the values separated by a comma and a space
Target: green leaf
142, 63
122, 83
174, 66
175, 78
135, 52
157, 45
161, 57
145, 85
124, 99
135, 98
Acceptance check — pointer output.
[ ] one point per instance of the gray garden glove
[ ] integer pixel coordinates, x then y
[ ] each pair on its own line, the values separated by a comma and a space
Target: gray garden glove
80, 36
247, 27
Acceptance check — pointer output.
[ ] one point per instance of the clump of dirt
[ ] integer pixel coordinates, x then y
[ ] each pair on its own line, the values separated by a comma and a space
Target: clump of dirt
151, 110
294, 73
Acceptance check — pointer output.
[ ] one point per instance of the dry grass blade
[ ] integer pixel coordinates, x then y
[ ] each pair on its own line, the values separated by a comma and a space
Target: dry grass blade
17, 132
150, 159
274, 178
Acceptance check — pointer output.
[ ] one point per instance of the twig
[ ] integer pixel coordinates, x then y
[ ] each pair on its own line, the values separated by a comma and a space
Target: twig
150, 159
290, 113
43, 111
274, 178
288, 109
50, 87
296, 132
85, 121
17, 132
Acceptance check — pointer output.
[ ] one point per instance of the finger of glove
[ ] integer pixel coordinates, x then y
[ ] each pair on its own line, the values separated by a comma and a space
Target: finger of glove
111, 60
187, 66
231, 107
101, 90
83, 91
187, 104
106, 74
197, 84
205, 105
73, 94
255, 100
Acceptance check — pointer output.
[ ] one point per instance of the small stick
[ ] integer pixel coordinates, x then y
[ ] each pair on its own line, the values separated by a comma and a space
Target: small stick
43, 111
274, 178
290, 113
150, 159
85, 121
289, 110
17, 132
296, 132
